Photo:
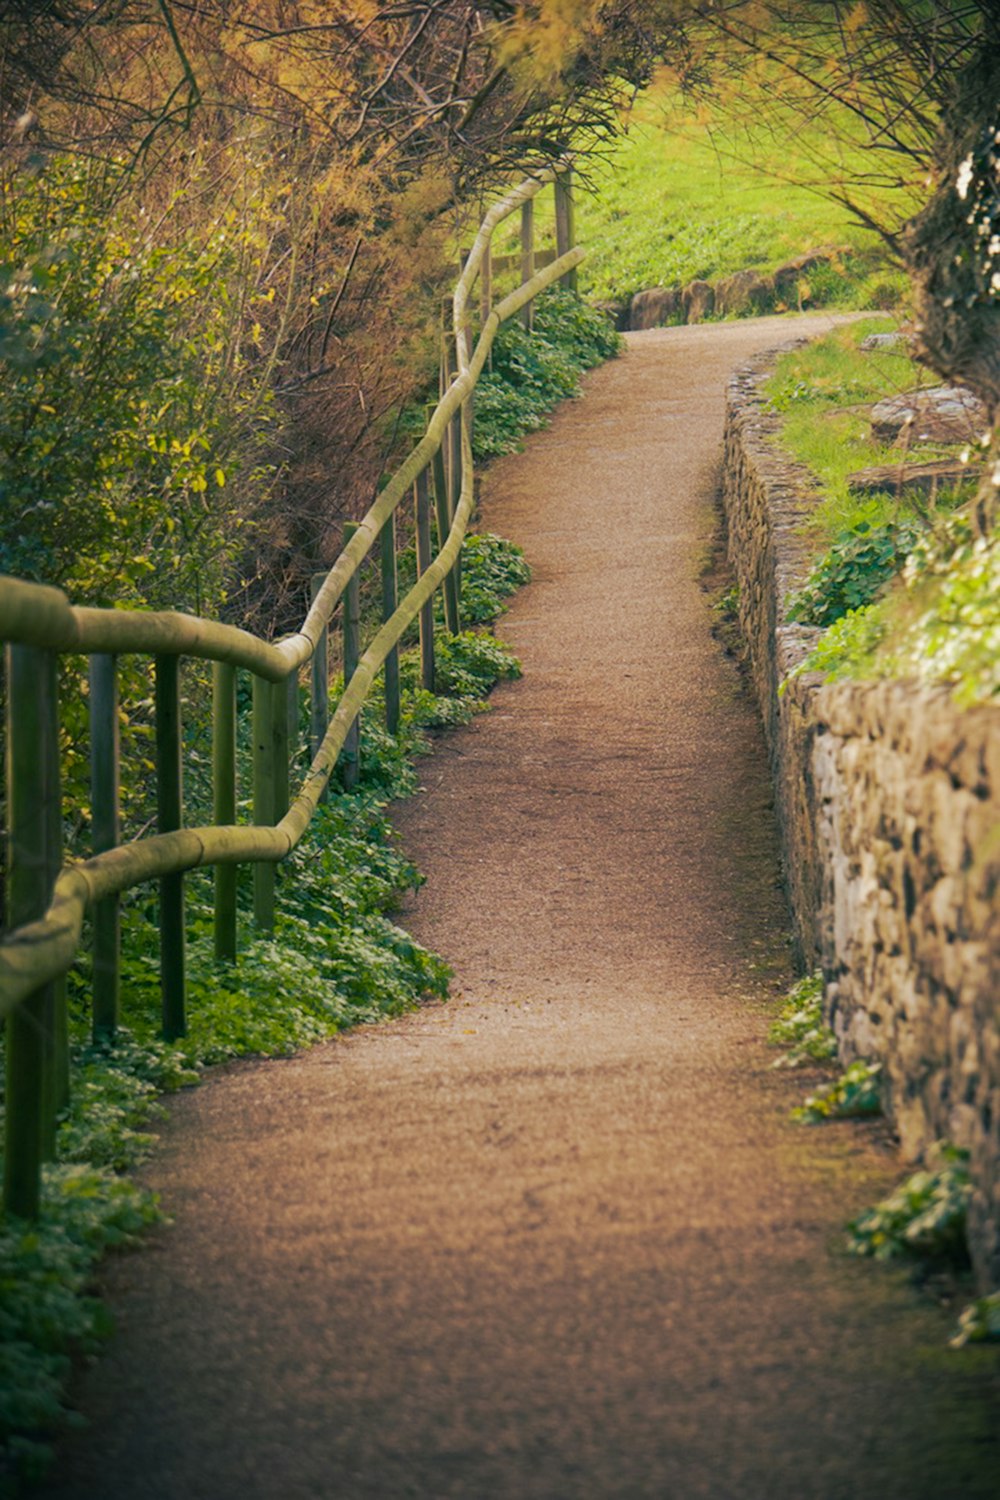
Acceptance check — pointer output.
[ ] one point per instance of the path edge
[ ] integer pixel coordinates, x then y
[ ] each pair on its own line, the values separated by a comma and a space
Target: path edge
887, 800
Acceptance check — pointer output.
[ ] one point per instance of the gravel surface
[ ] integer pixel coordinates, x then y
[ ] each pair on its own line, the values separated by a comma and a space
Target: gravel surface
555, 1239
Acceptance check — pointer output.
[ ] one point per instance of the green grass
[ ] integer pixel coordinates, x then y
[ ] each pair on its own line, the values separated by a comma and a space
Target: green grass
824, 392
906, 590
681, 196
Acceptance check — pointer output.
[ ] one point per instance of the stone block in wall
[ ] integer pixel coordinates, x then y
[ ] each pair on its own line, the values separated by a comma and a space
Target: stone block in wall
744, 292
698, 301
655, 307
888, 804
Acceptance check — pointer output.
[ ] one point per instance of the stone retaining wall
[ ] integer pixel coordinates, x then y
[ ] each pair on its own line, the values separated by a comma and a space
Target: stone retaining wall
888, 800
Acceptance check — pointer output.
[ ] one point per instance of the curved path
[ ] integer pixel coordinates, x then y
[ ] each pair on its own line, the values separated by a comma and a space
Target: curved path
555, 1239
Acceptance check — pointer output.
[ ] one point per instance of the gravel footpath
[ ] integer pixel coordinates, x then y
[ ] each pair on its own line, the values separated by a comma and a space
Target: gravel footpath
555, 1240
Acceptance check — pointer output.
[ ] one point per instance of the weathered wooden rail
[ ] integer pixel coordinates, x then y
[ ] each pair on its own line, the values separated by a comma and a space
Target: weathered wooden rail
47, 899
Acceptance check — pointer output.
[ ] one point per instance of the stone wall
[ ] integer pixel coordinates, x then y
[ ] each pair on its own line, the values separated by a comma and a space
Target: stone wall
888, 800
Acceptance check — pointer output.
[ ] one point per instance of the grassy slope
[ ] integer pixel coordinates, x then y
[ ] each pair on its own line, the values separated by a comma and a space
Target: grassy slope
934, 616
678, 198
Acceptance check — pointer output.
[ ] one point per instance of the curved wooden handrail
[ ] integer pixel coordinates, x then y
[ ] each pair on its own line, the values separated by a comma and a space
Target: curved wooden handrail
37, 952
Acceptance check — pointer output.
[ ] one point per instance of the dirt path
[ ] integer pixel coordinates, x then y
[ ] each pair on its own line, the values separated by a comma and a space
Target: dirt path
555, 1239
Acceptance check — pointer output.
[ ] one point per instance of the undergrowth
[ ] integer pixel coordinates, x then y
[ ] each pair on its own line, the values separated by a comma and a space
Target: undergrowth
901, 587
336, 959
924, 1217
800, 1029
531, 373
854, 1093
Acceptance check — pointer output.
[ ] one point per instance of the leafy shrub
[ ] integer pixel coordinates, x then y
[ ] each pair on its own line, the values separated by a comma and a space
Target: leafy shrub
467, 665
492, 569
799, 1027
856, 1092
852, 573
132, 393
941, 624
924, 1217
531, 373
979, 1323
46, 1310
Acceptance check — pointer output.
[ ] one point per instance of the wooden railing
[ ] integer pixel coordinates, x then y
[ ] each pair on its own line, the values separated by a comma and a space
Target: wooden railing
46, 899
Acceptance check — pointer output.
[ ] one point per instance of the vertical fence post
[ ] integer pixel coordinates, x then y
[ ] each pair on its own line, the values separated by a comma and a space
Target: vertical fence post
169, 812
442, 507
486, 295
528, 258
319, 705
263, 799
486, 283
105, 776
565, 223
32, 798
455, 455
387, 547
350, 756
224, 802
467, 416
292, 706
422, 499
56, 1025
279, 731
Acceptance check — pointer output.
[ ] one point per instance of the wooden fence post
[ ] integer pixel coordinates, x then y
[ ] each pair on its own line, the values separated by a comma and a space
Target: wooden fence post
55, 1027
169, 814
263, 799
486, 294
528, 258
319, 703
387, 547
105, 775
350, 756
422, 499
443, 511
32, 801
279, 731
224, 802
565, 223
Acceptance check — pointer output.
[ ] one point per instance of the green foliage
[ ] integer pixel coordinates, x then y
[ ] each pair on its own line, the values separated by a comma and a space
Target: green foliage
856, 1092
492, 569
131, 393
902, 591
46, 1310
941, 624
924, 1217
800, 1028
853, 571
686, 195
467, 665
531, 373
847, 648
979, 1323
823, 391
336, 959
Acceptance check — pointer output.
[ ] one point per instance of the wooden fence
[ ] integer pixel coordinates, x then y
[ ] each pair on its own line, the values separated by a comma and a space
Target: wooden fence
46, 899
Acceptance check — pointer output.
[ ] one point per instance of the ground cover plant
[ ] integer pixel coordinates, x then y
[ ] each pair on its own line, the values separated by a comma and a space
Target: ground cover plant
336, 959
800, 1028
530, 373
923, 1218
903, 586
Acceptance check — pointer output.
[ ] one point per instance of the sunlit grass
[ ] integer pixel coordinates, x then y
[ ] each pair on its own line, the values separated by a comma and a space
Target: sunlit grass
824, 392
683, 196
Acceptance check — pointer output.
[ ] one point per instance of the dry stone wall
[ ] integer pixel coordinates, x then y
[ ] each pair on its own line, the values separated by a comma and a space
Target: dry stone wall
888, 799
